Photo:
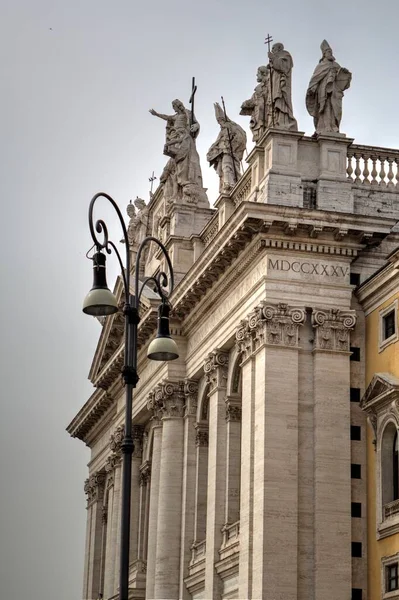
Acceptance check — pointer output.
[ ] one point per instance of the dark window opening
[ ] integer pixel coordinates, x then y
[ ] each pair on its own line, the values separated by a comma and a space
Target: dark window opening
357, 549
355, 354
356, 509
354, 278
356, 433
395, 467
355, 394
357, 594
389, 325
392, 577
356, 471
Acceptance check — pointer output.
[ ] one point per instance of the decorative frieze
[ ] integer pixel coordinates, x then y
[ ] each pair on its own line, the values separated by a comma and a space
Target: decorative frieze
94, 487
215, 369
191, 397
269, 324
332, 329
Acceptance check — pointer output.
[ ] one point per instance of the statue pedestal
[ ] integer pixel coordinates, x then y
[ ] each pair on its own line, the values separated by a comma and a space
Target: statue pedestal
334, 191
274, 163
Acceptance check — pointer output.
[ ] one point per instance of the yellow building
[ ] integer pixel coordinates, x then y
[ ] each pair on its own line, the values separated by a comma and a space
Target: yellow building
379, 296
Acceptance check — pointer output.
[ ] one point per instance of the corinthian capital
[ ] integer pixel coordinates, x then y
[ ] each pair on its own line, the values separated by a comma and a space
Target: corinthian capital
216, 367
94, 487
332, 329
116, 439
191, 396
280, 324
169, 396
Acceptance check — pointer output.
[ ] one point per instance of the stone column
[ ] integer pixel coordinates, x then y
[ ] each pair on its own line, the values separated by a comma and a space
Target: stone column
233, 453
115, 444
94, 488
171, 394
145, 479
112, 468
189, 472
244, 345
154, 497
332, 453
137, 566
216, 373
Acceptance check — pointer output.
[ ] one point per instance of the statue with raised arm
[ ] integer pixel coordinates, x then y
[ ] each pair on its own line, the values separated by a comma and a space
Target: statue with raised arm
325, 92
226, 153
182, 129
280, 66
258, 106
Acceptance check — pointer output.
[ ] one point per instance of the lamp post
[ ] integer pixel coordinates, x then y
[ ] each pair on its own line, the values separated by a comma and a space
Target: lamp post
100, 301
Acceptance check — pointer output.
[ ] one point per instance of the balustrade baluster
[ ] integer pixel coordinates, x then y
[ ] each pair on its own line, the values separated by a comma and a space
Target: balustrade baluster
366, 171
349, 168
358, 171
390, 173
382, 171
374, 171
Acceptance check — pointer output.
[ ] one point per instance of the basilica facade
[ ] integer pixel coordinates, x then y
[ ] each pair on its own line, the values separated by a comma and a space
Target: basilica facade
248, 469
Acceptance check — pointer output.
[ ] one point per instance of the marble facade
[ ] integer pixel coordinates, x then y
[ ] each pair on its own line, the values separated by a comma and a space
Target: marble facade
242, 480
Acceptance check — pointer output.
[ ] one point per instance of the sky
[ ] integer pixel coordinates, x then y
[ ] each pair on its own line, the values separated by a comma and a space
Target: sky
78, 78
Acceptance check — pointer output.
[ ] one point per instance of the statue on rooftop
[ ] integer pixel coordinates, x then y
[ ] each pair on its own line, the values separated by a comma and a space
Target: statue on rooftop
325, 92
137, 228
226, 153
182, 129
258, 106
280, 71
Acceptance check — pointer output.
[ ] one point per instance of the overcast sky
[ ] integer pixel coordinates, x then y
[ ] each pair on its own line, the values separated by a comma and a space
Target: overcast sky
77, 80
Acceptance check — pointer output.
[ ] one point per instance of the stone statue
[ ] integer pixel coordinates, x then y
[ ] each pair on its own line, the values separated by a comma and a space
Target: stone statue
137, 228
280, 69
182, 129
258, 106
325, 92
226, 153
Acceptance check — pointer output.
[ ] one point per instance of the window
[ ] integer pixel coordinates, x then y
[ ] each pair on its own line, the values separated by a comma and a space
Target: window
356, 433
395, 467
356, 471
389, 465
354, 278
357, 549
357, 594
392, 577
356, 509
355, 394
388, 327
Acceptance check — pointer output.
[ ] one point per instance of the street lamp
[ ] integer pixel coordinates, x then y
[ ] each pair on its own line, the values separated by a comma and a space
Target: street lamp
100, 301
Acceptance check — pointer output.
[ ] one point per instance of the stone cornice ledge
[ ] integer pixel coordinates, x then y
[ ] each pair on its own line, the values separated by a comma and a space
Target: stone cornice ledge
250, 219
96, 406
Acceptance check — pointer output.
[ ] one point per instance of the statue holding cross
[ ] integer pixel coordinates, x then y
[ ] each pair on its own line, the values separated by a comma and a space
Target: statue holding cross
182, 129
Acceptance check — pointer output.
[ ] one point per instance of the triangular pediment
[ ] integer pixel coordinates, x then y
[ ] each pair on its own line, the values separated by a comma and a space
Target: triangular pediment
380, 389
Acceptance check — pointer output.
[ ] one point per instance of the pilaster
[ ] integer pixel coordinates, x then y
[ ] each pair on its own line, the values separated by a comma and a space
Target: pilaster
334, 190
94, 489
137, 574
216, 373
332, 458
153, 406
113, 470
115, 445
189, 471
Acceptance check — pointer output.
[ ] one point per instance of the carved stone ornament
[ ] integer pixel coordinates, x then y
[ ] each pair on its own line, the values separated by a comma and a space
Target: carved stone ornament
271, 324
145, 473
116, 439
137, 435
169, 399
215, 369
233, 410
191, 395
201, 435
332, 329
94, 487
111, 463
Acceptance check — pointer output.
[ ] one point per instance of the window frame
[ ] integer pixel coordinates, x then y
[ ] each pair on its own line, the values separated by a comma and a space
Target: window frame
386, 563
384, 342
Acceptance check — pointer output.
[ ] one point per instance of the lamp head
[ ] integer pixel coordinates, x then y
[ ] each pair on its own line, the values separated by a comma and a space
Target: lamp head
163, 347
100, 301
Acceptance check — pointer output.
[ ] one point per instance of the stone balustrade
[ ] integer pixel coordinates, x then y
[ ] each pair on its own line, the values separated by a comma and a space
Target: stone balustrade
243, 189
391, 509
198, 551
373, 166
231, 534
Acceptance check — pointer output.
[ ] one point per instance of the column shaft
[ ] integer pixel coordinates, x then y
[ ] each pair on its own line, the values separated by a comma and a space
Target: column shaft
153, 510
